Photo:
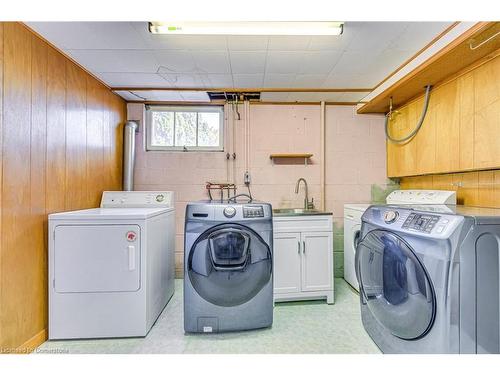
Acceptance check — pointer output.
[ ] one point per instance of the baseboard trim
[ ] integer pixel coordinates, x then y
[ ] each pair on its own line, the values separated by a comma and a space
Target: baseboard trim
33, 343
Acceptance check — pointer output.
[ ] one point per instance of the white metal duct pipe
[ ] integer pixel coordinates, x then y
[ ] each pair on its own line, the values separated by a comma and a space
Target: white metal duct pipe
131, 127
322, 158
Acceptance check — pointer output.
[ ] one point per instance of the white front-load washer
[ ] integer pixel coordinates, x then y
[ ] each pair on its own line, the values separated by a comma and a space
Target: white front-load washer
111, 269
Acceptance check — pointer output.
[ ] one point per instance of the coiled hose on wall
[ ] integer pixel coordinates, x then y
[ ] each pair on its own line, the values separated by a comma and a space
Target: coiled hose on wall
419, 124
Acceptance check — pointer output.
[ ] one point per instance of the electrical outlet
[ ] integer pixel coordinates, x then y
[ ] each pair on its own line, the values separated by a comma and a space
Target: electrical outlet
246, 178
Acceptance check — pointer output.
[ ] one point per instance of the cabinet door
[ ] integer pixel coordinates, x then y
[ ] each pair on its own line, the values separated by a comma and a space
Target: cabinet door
426, 136
487, 115
286, 255
317, 261
401, 158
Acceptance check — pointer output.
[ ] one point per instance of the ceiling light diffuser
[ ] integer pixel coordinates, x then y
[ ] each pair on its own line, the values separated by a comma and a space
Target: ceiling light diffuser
247, 28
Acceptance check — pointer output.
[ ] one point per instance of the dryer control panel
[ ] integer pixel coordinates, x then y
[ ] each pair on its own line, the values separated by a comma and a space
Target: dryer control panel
136, 199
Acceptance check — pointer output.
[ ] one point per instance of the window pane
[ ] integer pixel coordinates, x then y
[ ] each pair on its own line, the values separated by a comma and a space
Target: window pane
208, 129
185, 129
162, 129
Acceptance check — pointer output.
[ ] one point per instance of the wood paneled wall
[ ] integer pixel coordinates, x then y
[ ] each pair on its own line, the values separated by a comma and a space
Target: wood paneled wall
61, 134
460, 131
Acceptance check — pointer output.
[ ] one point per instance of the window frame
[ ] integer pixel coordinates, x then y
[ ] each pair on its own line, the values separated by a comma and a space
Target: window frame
188, 108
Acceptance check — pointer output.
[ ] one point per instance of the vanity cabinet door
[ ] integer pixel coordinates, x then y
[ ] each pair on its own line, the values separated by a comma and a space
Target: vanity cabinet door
287, 252
317, 261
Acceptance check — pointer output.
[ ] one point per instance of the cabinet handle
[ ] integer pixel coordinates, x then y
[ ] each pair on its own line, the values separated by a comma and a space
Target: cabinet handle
298, 247
304, 247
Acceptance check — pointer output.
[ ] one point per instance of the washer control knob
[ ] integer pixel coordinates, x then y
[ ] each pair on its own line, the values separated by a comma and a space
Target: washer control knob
390, 216
229, 211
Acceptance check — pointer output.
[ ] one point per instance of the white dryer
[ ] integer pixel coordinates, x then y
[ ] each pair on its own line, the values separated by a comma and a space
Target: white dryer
111, 269
353, 213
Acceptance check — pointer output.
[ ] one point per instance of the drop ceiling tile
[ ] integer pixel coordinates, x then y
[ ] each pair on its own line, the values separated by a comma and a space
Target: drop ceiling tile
195, 96
247, 42
212, 62
187, 80
288, 43
274, 96
133, 61
353, 63
352, 80
309, 80
134, 79
375, 36
248, 61
319, 62
386, 62
279, 80
417, 35
331, 42
220, 80
176, 61
90, 35
248, 80
284, 62
371, 50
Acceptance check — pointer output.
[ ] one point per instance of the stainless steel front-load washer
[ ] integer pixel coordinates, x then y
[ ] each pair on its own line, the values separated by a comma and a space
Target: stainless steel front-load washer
429, 278
228, 283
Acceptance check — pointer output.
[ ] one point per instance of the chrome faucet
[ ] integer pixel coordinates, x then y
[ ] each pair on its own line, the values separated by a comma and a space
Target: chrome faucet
307, 205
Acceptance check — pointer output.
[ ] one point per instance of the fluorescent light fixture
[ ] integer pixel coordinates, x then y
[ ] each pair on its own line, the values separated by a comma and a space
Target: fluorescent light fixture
247, 28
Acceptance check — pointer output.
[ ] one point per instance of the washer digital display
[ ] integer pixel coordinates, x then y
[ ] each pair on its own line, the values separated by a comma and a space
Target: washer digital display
253, 211
421, 222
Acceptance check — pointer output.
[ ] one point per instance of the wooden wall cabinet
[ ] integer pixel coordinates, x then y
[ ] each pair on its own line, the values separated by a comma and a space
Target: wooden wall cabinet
461, 129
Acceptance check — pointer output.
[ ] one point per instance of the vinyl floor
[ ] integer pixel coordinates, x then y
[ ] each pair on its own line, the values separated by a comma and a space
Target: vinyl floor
299, 327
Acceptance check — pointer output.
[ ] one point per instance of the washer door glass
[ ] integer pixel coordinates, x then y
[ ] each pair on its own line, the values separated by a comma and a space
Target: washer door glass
229, 264
394, 285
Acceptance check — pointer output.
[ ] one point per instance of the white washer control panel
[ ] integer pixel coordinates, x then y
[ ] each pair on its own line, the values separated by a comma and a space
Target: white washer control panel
134, 199
422, 197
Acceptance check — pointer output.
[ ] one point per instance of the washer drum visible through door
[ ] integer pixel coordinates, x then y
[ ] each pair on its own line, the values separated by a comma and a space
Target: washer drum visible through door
229, 264
394, 285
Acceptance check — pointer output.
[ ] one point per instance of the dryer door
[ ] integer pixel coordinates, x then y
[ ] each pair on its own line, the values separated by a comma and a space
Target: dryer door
394, 285
229, 264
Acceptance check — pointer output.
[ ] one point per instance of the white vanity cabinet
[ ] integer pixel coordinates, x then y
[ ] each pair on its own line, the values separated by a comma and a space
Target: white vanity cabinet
303, 258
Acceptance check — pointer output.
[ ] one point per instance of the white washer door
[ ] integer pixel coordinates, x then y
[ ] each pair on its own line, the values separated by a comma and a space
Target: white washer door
97, 258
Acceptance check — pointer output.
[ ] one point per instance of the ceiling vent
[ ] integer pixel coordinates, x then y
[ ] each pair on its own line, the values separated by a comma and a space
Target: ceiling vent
234, 96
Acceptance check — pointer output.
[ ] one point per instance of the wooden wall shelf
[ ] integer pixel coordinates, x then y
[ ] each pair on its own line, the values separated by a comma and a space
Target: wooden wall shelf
440, 68
306, 157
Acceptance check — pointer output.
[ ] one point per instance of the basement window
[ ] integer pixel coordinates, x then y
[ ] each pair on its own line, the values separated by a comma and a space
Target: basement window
185, 128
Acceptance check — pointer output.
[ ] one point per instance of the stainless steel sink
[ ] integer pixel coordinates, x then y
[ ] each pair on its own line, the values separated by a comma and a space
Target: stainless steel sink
298, 212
